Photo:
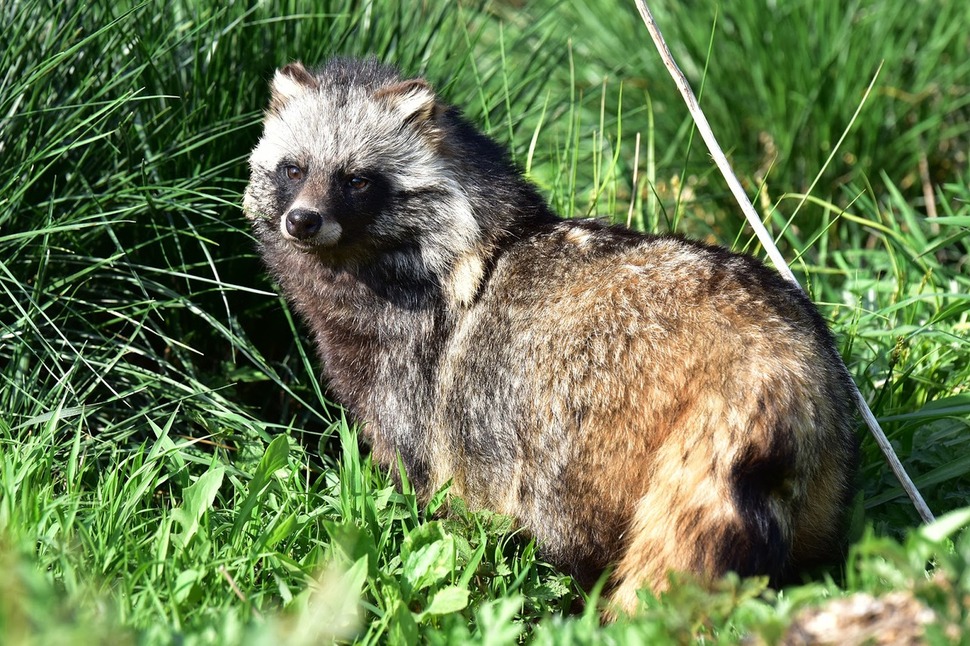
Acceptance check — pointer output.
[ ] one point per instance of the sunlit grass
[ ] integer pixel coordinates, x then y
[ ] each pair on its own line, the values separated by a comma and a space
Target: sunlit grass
170, 467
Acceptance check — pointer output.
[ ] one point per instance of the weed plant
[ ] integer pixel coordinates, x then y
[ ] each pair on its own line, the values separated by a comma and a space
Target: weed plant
170, 467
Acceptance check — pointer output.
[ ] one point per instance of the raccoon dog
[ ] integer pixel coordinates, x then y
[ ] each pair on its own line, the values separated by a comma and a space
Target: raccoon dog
641, 402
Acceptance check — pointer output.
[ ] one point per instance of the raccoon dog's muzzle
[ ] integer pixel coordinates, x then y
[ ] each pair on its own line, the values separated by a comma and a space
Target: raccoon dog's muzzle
306, 228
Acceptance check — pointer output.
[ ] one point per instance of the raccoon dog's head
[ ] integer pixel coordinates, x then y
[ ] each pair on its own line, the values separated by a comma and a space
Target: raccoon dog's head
353, 168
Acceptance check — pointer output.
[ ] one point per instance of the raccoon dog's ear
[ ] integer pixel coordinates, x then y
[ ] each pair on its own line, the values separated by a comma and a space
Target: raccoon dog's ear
413, 100
290, 81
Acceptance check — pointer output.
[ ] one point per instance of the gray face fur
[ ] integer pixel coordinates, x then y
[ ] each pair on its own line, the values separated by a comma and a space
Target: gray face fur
360, 125
644, 402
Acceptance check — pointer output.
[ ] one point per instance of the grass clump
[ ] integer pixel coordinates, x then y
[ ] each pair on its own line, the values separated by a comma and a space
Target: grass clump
170, 467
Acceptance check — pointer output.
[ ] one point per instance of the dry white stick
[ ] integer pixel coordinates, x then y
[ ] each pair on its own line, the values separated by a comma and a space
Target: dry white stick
235, 588
633, 187
768, 243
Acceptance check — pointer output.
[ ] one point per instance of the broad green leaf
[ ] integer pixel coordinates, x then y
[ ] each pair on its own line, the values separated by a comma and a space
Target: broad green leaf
946, 526
341, 599
449, 599
495, 621
420, 536
430, 564
403, 628
274, 459
196, 500
185, 584
281, 530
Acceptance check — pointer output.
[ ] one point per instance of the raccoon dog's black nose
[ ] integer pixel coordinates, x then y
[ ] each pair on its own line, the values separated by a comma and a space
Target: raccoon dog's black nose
303, 223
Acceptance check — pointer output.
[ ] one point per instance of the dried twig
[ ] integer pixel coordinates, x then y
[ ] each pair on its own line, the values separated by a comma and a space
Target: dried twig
768, 243
235, 588
633, 193
924, 178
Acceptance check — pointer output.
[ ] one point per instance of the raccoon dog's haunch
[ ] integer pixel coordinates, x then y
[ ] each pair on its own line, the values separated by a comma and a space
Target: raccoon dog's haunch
644, 402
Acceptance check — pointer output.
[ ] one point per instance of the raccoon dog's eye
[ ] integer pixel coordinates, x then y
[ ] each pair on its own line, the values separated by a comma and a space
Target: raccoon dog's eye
293, 173
357, 183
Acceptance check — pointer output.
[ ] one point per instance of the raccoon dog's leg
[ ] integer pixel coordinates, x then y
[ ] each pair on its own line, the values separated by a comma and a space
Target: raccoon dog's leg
709, 511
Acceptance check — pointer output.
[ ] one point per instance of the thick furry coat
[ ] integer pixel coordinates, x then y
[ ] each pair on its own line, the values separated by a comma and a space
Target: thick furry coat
644, 402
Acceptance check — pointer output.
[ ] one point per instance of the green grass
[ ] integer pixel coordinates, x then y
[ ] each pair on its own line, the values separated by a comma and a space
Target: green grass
170, 467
